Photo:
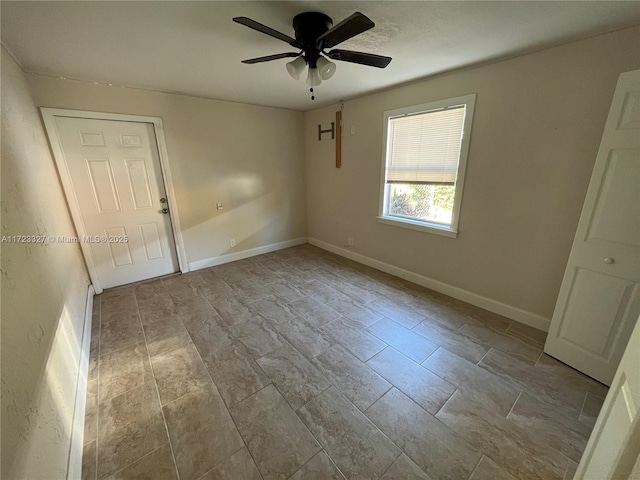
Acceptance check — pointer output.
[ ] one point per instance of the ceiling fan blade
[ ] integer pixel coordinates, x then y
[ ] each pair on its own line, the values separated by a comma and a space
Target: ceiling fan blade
360, 57
268, 31
268, 58
349, 27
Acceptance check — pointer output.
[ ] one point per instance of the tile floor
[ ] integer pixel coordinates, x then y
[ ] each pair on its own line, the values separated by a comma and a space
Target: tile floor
300, 364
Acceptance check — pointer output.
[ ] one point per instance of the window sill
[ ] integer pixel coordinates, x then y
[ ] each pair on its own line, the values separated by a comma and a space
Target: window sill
420, 226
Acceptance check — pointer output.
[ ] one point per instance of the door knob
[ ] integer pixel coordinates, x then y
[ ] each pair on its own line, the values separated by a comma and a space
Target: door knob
165, 211
609, 260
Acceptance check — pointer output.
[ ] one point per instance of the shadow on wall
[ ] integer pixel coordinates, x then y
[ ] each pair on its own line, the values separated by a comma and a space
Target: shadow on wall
199, 205
41, 348
253, 214
52, 401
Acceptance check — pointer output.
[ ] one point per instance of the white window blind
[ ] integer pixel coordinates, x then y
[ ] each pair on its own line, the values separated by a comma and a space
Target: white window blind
425, 148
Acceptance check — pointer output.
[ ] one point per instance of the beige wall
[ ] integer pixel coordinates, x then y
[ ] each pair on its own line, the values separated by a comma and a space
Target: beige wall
536, 131
44, 288
249, 158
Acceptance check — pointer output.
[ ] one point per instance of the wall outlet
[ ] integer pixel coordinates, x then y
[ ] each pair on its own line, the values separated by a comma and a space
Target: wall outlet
232, 242
350, 242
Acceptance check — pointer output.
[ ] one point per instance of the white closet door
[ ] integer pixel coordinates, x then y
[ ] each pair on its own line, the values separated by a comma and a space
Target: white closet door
599, 302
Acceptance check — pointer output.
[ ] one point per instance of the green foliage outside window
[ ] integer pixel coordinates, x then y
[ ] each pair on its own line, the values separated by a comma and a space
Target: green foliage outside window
422, 202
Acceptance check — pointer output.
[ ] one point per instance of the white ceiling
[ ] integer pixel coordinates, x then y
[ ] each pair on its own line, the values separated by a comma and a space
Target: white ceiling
195, 48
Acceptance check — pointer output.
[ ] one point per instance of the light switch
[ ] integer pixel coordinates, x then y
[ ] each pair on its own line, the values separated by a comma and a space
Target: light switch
219, 206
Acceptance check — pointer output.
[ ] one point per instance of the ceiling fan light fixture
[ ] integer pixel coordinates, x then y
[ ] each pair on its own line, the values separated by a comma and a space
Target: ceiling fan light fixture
326, 68
296, 67
313, 77
315, 33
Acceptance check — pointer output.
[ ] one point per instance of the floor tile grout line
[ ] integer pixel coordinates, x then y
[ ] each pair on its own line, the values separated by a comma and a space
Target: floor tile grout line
138, 459
584, 401
119, 349
172, 349
217, 465
538, 360
384, 433
240, 433
454, 332
431, 355
312, 457
296, 412
333, 462
443, 403
125, 391
400, 326
569, 461
485, 354
455, 387
360, 411
227, 407
513, 406
346, 347
529, 390
419, 364
471, 337
372, 403
287, 342
155, 382
441, 422
315, 396
476, 467
391, 464
381, 351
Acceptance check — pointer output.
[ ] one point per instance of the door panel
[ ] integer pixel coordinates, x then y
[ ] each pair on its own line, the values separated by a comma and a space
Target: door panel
104, 189
91, 139
151, 241
120, 253
612, 221
117, 180
630, 117
598, 302
139, 183
602, 301
613, 447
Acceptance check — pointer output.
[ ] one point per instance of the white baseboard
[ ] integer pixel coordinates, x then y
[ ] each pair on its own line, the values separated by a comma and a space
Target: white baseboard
74, 469
252, 252
509, 311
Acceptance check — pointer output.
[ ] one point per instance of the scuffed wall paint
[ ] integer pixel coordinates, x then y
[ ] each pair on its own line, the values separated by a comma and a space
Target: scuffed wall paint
44, 289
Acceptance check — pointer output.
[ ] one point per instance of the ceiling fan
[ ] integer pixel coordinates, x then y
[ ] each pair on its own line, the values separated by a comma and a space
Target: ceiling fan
315, 33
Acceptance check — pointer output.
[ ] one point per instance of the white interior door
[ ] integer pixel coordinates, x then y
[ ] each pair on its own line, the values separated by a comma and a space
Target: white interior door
116, 178
599, 302
612, 450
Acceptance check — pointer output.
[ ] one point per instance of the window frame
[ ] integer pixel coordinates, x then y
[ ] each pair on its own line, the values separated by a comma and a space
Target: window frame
425, 226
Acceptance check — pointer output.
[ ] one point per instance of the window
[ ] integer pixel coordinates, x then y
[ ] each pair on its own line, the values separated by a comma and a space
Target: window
424, 163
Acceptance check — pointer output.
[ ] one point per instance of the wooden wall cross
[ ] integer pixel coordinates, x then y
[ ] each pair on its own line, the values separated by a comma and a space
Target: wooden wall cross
339, 139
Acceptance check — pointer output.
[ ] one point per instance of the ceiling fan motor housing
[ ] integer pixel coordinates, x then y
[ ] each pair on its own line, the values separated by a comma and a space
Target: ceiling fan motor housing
308, 27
